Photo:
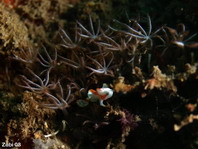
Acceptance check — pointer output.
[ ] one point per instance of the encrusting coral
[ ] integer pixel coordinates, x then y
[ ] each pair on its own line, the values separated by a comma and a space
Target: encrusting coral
160, 80
13, 32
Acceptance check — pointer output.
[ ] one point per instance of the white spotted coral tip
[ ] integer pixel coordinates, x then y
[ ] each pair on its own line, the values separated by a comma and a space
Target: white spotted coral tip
101, 94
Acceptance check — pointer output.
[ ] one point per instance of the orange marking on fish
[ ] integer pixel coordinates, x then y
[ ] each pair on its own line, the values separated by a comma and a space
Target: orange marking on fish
101, 97
93, 91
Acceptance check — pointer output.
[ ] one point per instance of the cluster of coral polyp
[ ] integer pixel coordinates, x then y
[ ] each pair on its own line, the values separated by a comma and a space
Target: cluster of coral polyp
91, 56
126, 57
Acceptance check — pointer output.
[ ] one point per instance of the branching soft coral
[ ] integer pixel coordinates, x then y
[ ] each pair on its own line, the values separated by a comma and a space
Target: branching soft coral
44, 88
